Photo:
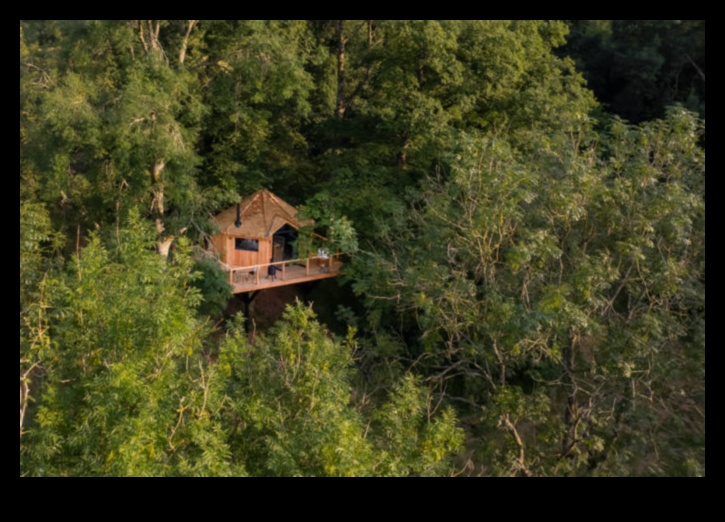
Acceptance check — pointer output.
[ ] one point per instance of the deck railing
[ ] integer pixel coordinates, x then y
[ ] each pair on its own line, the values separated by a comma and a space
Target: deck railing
243, 275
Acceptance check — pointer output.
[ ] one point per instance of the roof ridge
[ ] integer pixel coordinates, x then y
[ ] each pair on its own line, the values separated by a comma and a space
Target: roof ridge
260, 212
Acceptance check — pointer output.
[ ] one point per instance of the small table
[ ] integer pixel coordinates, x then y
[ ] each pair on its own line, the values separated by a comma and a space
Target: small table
324, 264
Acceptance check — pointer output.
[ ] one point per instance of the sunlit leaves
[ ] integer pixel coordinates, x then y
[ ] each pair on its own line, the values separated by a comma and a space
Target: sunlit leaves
126, 391
291, 396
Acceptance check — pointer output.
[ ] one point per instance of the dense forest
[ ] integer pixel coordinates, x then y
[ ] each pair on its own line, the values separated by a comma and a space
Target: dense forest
521, 205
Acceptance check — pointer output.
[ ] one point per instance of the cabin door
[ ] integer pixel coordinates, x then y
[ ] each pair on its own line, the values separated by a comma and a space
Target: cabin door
278, 249
283, 244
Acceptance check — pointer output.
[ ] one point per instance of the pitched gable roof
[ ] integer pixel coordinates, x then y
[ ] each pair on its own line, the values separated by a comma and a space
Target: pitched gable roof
262, 214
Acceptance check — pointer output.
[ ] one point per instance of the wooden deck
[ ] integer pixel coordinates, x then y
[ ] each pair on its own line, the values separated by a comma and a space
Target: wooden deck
247, 279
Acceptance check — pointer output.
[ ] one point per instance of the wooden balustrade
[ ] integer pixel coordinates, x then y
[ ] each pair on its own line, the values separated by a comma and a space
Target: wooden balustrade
281, 266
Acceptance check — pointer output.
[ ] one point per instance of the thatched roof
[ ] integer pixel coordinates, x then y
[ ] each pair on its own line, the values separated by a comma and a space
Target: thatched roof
262, 214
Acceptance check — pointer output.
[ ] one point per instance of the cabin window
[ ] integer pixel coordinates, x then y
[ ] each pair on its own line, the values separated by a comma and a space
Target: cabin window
246, 244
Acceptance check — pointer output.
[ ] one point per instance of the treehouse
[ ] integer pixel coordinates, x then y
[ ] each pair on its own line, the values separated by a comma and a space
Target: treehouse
258, 245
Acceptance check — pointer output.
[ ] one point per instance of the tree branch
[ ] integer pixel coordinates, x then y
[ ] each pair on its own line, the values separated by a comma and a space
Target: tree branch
699, 71
521, 460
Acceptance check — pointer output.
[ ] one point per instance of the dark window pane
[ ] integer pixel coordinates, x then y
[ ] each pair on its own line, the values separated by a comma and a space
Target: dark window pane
246, 244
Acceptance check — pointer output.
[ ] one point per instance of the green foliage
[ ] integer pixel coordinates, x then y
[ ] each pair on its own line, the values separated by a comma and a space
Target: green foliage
291, 399
39, 245
639, 67
412, 443
112, 127
447, 75
559, 281
38, 241
214, 286
342, 234
258, 96
125, 389
519, 255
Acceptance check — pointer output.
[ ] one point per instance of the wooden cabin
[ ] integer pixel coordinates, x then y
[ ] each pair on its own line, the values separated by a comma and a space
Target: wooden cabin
257, 245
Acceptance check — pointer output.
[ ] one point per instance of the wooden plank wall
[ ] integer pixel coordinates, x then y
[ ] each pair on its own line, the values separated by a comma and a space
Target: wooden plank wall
221, 244
224, 244
249, 258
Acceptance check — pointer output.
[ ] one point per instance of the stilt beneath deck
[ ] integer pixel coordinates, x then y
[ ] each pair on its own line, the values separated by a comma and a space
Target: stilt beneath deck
247, 299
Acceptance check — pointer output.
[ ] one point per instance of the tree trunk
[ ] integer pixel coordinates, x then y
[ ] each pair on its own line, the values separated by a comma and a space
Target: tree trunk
163, 245
157, 207
571, 411
403, 154
150, 37
185, 42
340, 106
141, 35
